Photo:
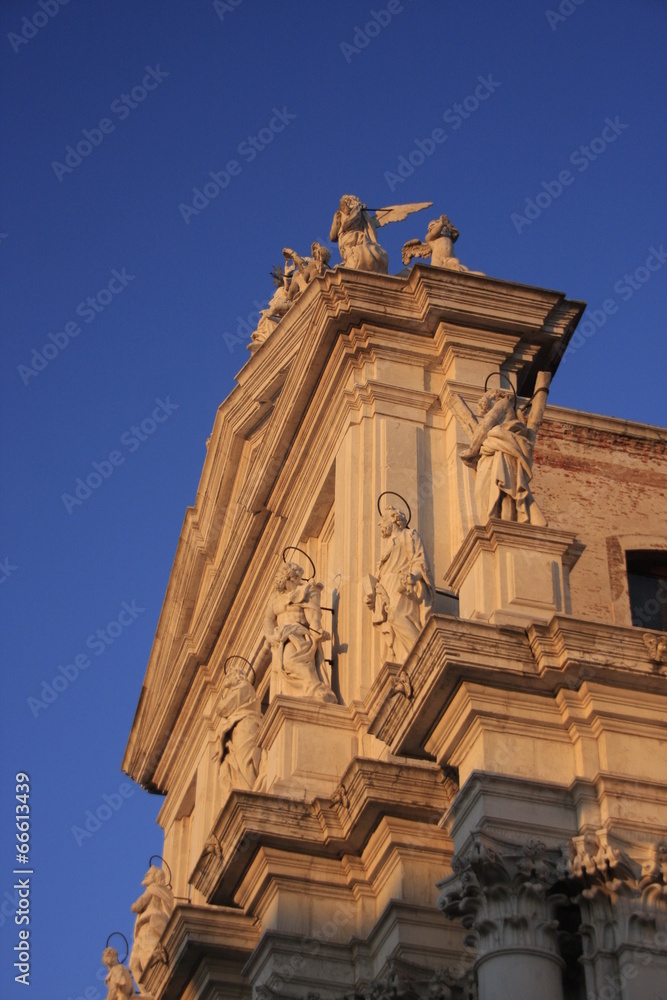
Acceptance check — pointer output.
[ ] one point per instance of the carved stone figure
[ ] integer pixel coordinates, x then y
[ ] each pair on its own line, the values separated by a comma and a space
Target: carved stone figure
241, 710
401, 595
355, 227
290, 282
501, 452
440, 238
294, 633
153, 910
118, 981
307, 268
278, 305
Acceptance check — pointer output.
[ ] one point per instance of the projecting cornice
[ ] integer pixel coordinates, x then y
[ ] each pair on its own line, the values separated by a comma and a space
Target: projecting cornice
339, 315
542, 659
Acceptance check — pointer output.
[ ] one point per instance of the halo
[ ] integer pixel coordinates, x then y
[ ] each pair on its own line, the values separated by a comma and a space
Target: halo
392, 493
251, 669
127, 946
501, 376
293, 548
164, 865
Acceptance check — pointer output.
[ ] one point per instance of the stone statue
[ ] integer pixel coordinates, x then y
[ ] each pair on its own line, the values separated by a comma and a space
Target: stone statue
118, 981
401, 595
153, 910
355, 227
241, 710
278, 305
440, 238
307, 268
290, 281
293, 631
501, 452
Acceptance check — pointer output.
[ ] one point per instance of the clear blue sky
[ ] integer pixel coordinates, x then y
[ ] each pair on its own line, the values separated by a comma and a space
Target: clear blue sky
202, 79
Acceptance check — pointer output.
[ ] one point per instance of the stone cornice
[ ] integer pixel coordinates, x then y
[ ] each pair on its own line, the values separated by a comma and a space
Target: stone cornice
565, 653
326, 828
196, 933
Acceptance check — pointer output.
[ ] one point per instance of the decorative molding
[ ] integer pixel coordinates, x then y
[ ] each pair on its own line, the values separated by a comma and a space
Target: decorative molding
500, 891
657, 649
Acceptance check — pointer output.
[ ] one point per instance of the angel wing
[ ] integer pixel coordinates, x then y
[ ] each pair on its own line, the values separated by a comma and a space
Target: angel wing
463, 413
396, 213
415, 248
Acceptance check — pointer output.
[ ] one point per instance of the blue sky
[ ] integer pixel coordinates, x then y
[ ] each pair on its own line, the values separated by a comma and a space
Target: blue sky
143, 306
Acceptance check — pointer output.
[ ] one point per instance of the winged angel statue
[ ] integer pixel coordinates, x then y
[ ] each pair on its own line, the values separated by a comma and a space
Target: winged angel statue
355, 227
440, 238
501, 451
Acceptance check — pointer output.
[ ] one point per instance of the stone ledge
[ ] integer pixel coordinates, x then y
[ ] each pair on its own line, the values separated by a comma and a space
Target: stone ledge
541, 659
198, 934
369, 790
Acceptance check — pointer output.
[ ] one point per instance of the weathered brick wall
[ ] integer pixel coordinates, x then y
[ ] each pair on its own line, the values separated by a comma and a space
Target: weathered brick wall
606, 480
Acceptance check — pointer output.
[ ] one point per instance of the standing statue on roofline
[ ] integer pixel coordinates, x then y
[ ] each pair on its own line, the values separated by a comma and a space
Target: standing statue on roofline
355, 227
440, 238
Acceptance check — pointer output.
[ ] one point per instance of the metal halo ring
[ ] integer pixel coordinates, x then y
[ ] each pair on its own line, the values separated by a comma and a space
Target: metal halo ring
293, 548
501, 376
127, 946
235, 656
164, 865
394, 494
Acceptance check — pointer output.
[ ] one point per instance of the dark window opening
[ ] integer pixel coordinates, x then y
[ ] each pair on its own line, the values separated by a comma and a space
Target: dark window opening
647, 583
571, 951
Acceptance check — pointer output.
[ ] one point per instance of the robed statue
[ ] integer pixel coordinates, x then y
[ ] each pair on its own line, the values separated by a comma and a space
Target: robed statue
293, 632
501, 451
402, 591
355, 227
153, 909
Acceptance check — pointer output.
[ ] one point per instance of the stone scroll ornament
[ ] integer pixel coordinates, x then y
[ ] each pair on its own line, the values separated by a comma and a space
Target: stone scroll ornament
153, 909
440, 238
293, 632
118, 980
291, 280
401, 593
241, 712
501, 451
355, 227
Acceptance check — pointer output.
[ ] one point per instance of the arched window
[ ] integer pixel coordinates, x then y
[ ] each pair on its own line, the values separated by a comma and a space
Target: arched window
647, 585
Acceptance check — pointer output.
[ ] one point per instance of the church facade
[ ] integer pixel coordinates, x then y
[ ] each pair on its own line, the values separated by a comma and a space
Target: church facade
407, 697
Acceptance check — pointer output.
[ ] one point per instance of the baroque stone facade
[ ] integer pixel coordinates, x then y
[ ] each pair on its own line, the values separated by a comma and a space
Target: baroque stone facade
460, 792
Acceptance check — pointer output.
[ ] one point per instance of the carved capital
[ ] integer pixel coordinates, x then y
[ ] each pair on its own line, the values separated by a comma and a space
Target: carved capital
622, 902
501, 892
